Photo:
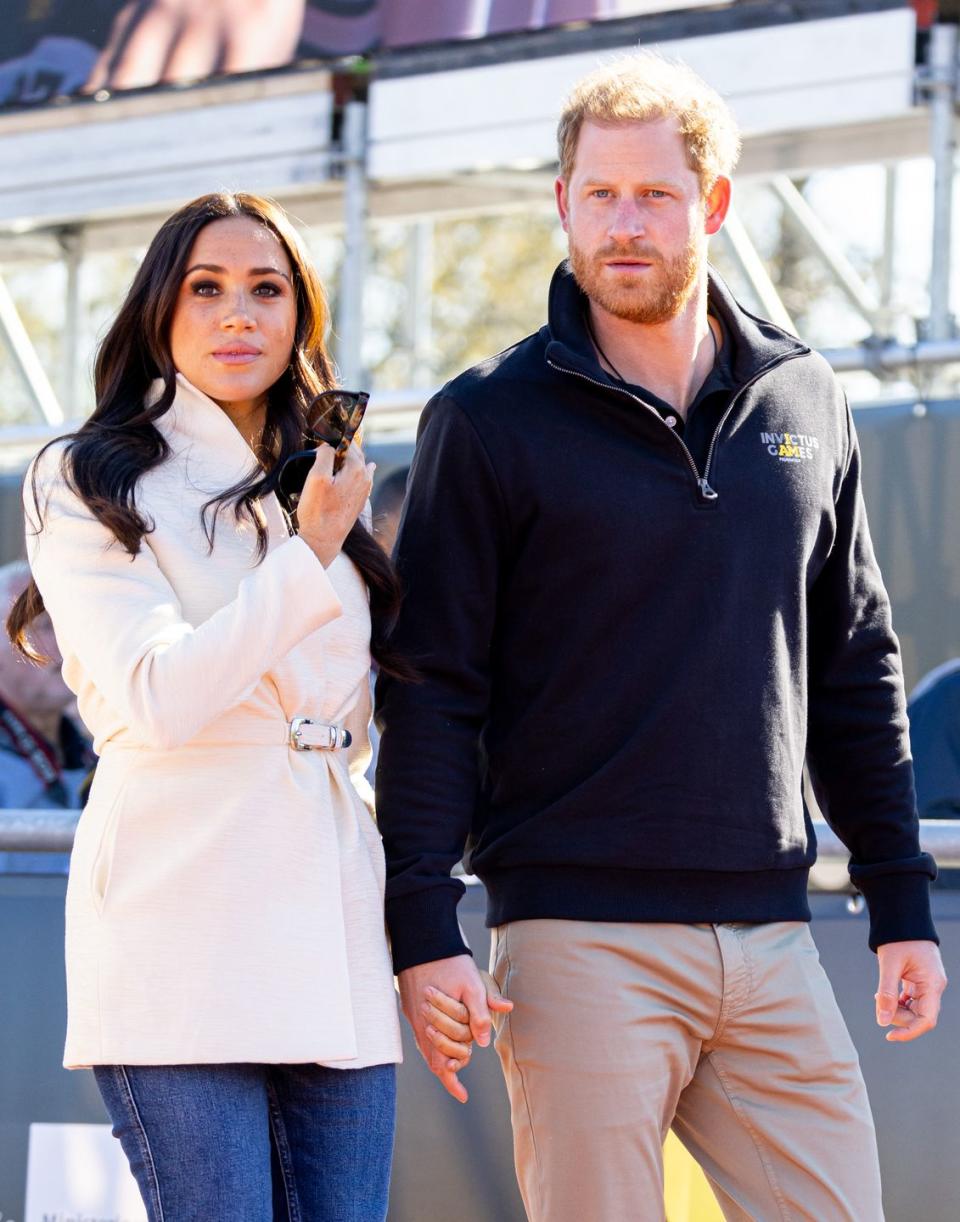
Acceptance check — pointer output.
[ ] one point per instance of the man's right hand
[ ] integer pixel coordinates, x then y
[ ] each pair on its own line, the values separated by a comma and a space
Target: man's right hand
460, 979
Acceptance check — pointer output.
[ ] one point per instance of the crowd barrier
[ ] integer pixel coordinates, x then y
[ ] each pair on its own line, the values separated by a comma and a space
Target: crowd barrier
451, 1160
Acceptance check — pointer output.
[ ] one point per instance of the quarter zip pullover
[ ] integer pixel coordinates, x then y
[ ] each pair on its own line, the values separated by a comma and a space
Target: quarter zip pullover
627, 654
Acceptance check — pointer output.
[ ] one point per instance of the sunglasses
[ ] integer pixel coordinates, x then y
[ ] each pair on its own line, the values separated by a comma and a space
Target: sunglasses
333, 418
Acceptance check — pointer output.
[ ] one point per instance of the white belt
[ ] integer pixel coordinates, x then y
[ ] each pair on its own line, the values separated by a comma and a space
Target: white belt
307, 735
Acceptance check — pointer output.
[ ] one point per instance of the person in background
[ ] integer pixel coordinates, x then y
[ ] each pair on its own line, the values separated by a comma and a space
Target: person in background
46, 759
934, 712
387, 506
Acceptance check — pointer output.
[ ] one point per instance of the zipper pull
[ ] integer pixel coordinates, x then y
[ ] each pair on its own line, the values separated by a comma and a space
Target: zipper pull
706, 491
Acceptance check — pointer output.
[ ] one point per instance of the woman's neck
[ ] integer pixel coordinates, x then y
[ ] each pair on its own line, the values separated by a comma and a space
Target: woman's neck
248, 417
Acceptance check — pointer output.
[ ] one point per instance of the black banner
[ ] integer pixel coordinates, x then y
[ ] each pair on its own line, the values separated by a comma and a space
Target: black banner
57, 48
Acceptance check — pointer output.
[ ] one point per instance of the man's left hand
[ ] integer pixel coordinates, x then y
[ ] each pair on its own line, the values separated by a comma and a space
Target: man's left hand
912, 981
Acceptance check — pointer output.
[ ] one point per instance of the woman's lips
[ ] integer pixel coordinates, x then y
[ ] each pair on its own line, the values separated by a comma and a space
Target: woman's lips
236, 356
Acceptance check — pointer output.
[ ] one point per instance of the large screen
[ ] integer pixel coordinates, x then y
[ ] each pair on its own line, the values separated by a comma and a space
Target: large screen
58, 48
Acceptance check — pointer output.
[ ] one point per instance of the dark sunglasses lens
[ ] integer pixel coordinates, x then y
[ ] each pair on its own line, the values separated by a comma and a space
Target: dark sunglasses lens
334, 413
294, 472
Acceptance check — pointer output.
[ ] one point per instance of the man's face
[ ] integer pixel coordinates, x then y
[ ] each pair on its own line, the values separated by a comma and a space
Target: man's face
636, 219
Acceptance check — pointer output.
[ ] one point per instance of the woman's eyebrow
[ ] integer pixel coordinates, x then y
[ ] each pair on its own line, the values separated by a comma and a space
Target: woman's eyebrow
254, 271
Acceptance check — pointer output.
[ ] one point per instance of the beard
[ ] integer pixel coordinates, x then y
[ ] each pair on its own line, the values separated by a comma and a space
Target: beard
650, 297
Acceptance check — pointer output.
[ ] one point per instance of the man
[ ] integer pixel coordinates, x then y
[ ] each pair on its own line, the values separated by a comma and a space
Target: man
640, 590
45, 760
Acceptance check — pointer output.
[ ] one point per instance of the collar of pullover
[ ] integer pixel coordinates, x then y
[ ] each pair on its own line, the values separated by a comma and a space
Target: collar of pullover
758, 344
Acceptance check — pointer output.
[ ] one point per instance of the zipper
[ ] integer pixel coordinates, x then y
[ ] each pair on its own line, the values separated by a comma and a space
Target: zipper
707, 492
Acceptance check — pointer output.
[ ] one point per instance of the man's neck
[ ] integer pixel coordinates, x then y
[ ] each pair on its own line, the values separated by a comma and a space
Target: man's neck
671, 359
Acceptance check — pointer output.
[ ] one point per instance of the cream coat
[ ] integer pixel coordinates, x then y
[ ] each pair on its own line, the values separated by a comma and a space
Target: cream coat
225, 900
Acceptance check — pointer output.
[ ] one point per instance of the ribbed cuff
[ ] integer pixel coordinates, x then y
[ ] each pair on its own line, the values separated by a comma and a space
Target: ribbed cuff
899, 906
423, 925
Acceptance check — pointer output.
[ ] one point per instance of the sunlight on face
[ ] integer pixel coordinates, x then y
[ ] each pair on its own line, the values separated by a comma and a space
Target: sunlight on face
634, 215
235, 319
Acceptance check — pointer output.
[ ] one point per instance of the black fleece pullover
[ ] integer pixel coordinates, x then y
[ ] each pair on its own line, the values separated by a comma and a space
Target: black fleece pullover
627, 655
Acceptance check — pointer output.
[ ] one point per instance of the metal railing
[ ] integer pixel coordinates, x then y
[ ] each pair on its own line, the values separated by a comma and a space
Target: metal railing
52, 831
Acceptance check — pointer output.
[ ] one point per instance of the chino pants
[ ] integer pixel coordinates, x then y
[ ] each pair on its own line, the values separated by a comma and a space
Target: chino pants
729, 1034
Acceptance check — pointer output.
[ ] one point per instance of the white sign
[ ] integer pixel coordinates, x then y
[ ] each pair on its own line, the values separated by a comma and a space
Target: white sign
79, 1173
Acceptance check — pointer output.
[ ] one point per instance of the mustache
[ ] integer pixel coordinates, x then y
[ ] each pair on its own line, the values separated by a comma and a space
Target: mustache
633, 250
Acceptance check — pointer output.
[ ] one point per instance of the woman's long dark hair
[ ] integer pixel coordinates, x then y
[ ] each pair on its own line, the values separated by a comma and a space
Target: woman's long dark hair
104, 460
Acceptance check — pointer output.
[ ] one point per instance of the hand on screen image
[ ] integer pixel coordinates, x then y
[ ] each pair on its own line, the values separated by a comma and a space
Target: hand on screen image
163, 41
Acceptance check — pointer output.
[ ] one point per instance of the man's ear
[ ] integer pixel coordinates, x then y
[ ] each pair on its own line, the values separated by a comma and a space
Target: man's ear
562, 197
717, 205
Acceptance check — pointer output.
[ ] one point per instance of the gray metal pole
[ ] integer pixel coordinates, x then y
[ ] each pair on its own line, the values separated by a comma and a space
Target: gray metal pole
32, 831
888, 254
26, 360
71, 243
887, 357
824, 244
942, 86
420, 313
753, 270
353, 272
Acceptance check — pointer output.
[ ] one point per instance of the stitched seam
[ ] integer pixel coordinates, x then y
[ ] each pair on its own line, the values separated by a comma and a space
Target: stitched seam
748, 964
283, 1154
740, 1112
724, 1016
516, 1061
124, 1083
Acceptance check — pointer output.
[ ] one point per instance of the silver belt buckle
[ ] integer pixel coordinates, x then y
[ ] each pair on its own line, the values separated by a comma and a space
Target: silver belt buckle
335, 736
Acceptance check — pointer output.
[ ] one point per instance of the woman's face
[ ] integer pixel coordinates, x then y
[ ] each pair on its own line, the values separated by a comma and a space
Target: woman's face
235, 319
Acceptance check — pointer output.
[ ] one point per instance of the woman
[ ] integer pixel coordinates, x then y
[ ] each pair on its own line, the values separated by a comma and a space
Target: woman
228, 975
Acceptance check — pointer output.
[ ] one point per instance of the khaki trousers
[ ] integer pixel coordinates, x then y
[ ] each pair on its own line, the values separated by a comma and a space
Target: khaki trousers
728, 1033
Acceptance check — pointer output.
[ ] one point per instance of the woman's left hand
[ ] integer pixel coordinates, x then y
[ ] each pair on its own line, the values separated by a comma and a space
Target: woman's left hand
448, 1021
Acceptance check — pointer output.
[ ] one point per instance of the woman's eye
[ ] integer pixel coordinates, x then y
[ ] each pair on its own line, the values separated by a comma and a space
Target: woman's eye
268, 289
204, 288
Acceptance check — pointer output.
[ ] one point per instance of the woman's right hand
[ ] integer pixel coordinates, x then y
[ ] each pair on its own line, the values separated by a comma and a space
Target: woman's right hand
330, 504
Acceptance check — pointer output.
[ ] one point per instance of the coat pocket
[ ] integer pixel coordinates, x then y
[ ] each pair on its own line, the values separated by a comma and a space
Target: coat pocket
101, 867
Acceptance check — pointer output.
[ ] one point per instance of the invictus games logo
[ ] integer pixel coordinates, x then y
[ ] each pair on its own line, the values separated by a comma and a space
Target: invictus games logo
791, 447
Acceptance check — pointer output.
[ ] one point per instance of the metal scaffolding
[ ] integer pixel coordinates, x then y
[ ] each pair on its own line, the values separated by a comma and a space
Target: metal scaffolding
355, 198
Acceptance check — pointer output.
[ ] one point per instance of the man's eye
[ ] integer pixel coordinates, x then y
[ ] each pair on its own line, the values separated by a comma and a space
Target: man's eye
600, 193
656, 194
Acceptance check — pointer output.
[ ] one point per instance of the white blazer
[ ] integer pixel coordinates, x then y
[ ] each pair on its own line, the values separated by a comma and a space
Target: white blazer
225, 900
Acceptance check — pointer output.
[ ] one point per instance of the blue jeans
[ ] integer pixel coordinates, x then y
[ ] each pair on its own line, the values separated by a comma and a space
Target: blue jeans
262, 1143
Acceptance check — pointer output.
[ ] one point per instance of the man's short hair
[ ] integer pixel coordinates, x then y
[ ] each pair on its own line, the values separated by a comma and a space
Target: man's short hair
643, 87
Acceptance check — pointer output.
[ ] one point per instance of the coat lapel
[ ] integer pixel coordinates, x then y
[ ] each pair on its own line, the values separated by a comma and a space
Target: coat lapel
216, 457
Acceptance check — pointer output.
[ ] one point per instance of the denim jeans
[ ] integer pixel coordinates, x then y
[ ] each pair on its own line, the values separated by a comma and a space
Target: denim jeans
220, 1143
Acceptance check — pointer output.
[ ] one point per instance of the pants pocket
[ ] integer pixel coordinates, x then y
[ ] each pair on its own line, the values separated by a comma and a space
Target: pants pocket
500, 971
